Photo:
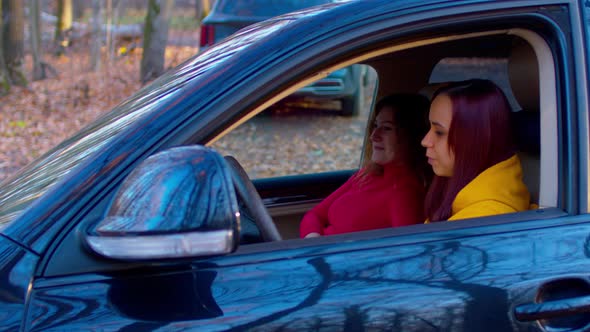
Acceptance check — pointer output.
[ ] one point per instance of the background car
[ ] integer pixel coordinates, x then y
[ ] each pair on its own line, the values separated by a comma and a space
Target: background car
341, 90
228, 16
144, 220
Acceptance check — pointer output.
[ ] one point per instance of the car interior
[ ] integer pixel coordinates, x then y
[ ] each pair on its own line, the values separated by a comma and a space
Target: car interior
528, 70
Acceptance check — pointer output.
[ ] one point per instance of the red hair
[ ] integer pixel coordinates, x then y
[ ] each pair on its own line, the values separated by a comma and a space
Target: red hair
479, 136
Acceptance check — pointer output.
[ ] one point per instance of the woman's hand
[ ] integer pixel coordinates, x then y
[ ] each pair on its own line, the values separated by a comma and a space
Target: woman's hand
312, 234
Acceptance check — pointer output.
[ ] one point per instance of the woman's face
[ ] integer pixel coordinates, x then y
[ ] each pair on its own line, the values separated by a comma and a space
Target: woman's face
384, 138
440, 157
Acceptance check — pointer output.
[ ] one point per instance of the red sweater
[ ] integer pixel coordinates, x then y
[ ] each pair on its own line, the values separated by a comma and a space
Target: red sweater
393, 199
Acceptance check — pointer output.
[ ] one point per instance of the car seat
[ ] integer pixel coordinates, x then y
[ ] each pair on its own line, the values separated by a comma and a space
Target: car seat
523, 74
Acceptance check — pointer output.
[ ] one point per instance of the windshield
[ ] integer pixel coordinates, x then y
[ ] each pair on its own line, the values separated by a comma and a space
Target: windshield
20, 190
267, 8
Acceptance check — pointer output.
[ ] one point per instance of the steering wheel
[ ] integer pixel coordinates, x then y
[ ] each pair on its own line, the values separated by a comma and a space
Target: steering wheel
248, 194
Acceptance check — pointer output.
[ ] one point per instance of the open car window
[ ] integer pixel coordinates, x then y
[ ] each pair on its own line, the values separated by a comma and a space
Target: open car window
310, 143
308, 132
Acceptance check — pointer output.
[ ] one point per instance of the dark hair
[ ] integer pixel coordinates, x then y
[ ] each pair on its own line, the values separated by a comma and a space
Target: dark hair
479, 136
410, 115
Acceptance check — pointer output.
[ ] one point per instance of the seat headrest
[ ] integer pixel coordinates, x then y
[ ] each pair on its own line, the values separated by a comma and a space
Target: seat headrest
526, 131
523, 74
429, 90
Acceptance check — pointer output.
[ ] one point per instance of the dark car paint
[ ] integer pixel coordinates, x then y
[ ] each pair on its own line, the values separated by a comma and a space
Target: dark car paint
411, 279
271, 294
17, 266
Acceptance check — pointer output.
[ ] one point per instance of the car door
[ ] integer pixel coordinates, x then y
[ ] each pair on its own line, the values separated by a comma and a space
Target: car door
463, 277
490, 273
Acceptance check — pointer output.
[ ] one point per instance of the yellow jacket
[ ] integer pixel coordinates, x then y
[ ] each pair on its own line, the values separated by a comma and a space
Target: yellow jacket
497, 190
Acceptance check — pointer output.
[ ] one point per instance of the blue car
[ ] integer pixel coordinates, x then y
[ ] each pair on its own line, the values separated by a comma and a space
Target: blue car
148, 219
341, 90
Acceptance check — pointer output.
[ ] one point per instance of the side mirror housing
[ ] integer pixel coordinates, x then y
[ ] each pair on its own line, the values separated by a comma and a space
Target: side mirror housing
179, 203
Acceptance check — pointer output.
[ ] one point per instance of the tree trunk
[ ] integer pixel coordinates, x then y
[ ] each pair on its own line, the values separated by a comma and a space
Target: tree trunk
64, 25
109, 39
35, 33
79, 8
155, 38
203, 8
96, 23
14, 36
4, 78
117, 8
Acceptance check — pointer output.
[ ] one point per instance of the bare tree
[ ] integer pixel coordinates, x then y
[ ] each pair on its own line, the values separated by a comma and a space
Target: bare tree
116, 13
113, 33
155, 38
63, 28
113, 10
203, 8
96, 44
4, 77
109, 30
13, 35
79, 8
35, 28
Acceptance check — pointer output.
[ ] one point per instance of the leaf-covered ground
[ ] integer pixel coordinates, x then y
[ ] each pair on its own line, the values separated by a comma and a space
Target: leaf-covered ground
36, 118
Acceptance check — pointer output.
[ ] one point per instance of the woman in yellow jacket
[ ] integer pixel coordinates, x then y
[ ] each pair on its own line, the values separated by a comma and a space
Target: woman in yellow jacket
470, 148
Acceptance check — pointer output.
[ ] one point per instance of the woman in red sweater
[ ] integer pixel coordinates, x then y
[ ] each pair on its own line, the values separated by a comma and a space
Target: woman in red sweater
388, 191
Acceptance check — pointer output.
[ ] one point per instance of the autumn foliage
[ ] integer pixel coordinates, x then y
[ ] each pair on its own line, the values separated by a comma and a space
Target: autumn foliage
36, 118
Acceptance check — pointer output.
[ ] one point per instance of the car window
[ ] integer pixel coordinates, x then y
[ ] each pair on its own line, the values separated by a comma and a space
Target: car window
265, 7
306, 132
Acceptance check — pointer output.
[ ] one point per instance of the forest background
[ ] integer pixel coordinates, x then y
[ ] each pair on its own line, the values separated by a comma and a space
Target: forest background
63, 63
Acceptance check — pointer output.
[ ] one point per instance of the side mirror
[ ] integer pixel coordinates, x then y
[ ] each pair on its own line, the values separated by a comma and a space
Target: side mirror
179, 203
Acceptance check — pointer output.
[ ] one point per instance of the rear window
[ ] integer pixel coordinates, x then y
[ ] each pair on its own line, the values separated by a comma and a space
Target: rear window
266, 8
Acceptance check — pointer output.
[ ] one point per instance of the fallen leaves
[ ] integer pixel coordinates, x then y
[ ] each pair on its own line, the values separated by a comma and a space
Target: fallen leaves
36, 118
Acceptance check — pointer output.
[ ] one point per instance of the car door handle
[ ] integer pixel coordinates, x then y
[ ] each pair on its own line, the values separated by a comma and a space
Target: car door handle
552, 309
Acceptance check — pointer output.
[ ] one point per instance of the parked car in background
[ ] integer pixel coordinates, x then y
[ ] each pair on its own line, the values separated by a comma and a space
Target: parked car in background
228, 16
340, 90
139, 223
